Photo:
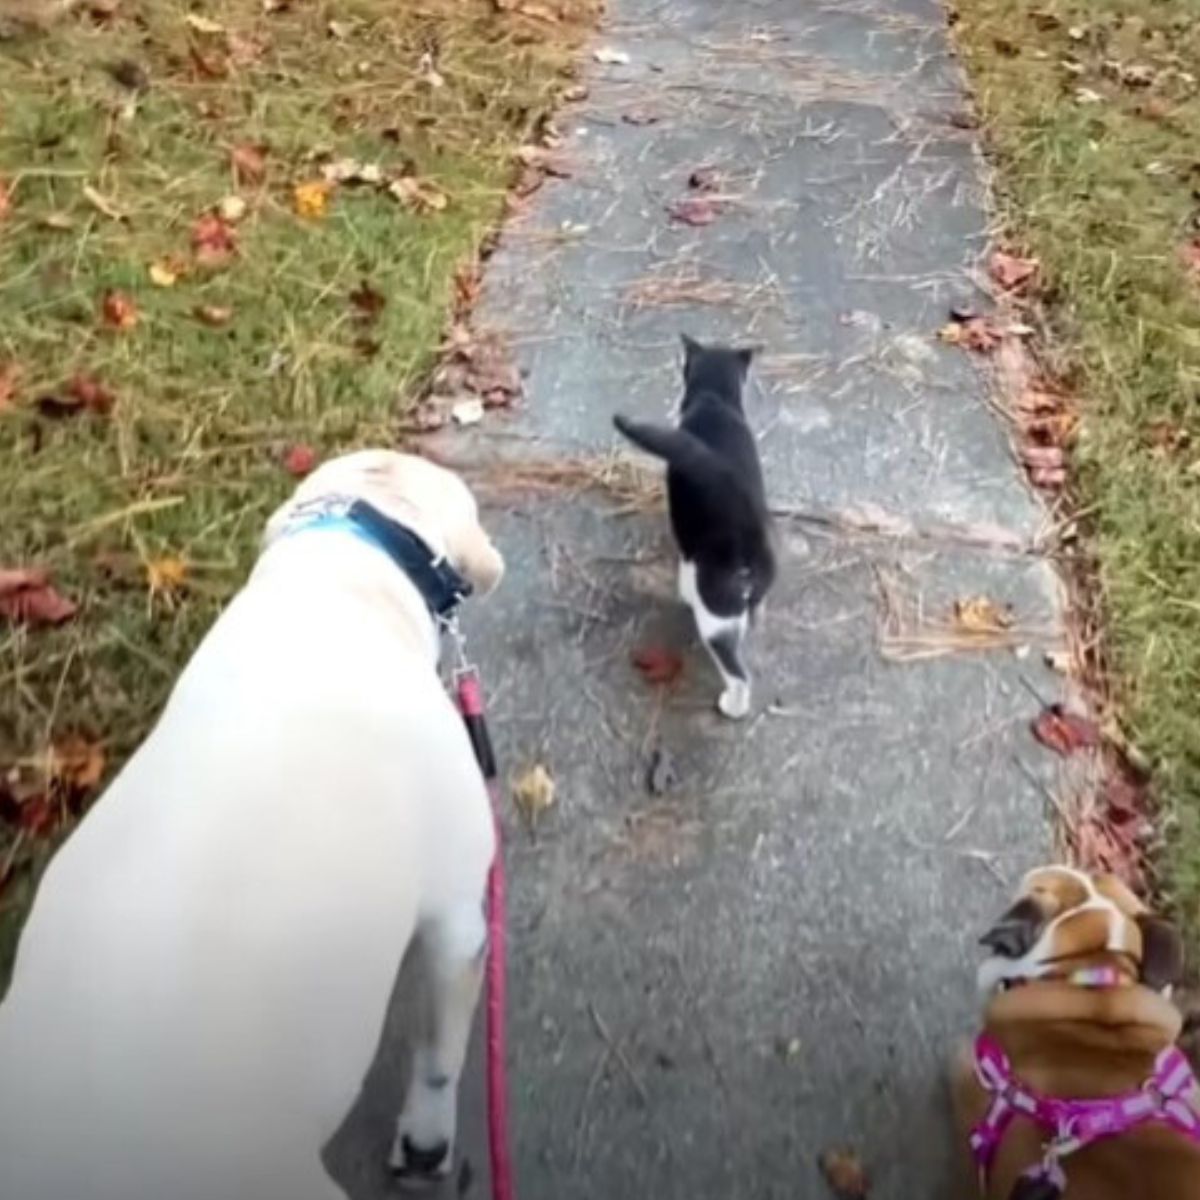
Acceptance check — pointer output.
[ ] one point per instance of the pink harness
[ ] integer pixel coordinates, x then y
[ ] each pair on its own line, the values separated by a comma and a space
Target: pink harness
1074, 1124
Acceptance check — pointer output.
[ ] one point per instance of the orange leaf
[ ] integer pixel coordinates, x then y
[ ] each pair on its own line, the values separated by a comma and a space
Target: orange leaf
844, 1174
77, 763
166, 576
27, 598
311, 200
10, 374
213, 315
213, 239
119, 311
658, 665
299, 460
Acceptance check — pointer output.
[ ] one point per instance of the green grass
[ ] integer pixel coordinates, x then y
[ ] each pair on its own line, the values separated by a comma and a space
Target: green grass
1101, 185
187, 465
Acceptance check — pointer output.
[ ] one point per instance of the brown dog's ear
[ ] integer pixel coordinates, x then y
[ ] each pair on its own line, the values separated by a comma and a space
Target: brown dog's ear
1016, 933
1162, 952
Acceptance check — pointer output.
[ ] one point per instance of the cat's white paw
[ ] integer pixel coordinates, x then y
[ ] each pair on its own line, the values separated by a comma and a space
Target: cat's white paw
735, 701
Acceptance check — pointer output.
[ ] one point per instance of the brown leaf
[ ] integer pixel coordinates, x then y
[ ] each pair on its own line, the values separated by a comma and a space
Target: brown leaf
981, 614
299, 460
249, 162
1011, 272
214, 239
694, 211
657, 664
844, 1173
119, 311
83, 393
468, 280
213, 315
418, 194
368, 302
27, 598
5, 198
1064, 732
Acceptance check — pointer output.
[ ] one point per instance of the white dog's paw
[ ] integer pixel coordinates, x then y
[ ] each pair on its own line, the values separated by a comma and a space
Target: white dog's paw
423, 1151
735, 701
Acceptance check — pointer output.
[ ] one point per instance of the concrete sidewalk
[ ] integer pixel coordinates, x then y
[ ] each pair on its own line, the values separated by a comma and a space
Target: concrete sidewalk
711, 986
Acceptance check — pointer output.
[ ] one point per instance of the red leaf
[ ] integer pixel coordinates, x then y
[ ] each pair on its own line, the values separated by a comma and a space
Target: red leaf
299, 460
27, 598
213, 239
119, 311
1011, 272
658, 665
693, 211
1065, 732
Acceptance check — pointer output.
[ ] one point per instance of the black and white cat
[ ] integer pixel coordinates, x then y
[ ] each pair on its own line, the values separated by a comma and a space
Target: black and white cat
718, 508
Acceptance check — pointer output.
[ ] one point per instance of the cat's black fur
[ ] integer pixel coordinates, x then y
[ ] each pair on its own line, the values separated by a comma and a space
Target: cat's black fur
715, 492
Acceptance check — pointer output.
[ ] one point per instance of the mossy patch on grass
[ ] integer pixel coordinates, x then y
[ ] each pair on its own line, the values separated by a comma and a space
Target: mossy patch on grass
1091, 113
116, 136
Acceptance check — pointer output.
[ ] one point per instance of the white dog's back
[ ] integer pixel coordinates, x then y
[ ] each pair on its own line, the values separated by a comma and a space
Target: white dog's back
224, 928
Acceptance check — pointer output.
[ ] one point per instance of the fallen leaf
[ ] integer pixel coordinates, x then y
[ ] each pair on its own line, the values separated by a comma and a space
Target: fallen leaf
981, 614
533, 792
478, 363
119, 311
975, 333
351, 170
58, 221
1086, 95
213, 315
166, 272
10, 375
232, 209
467, 412
311, 200
129, 74
1059, 661
468, 280
299, 460
418, 194
844, 1173
91, 393
249, 162
166, 576
657, 664
428, 73
694, 211
1064, 732
5, 198
204, 24
244, 51
575, 93
1190, 254
1011, 272
27, 598
368, 302
102, 203
539, 12
339, 30
77, 763
214, 240
609, 57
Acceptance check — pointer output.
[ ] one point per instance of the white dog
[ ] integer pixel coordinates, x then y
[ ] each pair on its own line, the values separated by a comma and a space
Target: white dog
202, 982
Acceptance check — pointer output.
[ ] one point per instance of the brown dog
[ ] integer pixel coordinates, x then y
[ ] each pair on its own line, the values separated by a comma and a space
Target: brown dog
1077, 1019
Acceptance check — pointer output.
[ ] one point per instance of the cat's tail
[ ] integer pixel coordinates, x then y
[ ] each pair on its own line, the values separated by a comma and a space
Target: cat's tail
681, 449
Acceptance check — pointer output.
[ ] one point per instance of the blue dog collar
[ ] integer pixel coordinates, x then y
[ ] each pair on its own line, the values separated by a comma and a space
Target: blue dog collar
441, 587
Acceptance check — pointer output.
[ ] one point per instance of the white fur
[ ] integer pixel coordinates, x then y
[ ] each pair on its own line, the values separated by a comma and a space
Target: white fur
734, 701
202, 982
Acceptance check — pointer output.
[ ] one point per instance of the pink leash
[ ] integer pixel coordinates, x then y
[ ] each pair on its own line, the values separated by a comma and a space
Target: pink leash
469, 692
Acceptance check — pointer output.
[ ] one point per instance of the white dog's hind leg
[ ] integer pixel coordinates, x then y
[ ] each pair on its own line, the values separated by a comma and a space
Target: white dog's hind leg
454, 947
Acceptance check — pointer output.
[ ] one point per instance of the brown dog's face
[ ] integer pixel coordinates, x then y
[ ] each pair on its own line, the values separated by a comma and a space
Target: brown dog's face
1063, 916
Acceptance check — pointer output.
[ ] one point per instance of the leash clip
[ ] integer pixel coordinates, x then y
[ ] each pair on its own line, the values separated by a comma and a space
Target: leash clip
450, 628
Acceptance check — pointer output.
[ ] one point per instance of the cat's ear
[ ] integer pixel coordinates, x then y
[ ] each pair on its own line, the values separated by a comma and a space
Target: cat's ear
691, 348
745, 358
